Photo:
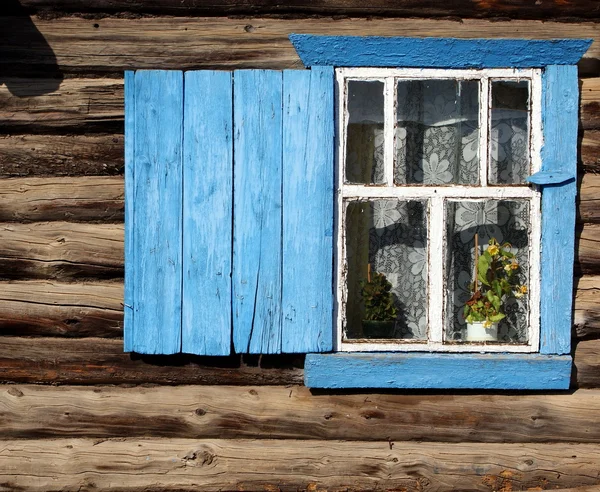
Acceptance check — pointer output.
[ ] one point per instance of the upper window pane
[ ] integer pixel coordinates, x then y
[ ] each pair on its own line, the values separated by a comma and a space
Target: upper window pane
437, 132
509, 132
364, 138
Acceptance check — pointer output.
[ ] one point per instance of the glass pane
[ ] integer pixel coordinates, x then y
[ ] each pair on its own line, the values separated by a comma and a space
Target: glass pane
386, 237
506, 221
364, 143
509, 135
437, 132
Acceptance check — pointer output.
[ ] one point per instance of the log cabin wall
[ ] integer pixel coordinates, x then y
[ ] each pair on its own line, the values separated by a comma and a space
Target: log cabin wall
79, 414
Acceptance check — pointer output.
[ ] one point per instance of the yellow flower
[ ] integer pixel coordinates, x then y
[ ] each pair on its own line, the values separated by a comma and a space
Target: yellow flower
508, 268
487, 323
514, 265
523, 289
493, 249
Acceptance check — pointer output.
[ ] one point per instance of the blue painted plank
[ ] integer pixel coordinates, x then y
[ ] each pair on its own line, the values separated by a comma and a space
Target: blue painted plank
560, 121
207, 213
257, 211
157, 205
128, 328
438, 371
308, 154
550, 177
357, 51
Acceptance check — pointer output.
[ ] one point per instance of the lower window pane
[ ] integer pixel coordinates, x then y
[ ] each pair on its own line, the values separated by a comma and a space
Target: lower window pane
386, 237
502, 221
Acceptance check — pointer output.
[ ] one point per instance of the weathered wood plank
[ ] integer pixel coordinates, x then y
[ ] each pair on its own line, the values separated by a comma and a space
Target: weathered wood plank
256, 276
35, 411
207, 213
590, 103
588, 201
110, 45
103, 361
61, 250
55, 155
156, 225
307, 236
590, 150
85, 104
217, 464
38, 308
587, 249
80, 199
585, 9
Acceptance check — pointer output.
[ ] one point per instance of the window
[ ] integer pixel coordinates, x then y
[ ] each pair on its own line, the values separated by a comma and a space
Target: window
231, 198
429, 162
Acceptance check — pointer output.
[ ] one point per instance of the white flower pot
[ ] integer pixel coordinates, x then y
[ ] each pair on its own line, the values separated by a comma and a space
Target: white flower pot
477, 332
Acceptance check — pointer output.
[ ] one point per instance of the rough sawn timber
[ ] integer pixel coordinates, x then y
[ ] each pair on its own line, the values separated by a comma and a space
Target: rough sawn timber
111, 45
216, 464
56, 155
44, 308
61, 250
586, 9
586, 316
78, 199
277, 412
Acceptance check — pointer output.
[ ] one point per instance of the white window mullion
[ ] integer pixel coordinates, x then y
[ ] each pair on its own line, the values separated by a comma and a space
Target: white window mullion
435, 270
388, 128
484, 130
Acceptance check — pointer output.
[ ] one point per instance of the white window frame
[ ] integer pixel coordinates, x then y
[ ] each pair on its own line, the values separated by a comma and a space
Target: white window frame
436, 196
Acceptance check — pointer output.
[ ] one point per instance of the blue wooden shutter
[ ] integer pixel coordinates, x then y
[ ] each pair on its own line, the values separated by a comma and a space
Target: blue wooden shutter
283, 210
229, 211
153, 177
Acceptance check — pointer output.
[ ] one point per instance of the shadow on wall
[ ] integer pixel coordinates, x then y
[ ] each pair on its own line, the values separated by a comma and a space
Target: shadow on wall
28, 65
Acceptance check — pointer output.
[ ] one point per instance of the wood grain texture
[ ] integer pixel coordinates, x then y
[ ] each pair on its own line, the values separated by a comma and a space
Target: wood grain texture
590, 149
129, 246
157, 213
257, 213
102, 361
46, 308
84, 104
217, 464
589, 103
276, 412
588, 201
559, 153
59, 155
585, 9
61, 250
75, 45
587, 307
79, 199
588, 254
207, 213
308, 174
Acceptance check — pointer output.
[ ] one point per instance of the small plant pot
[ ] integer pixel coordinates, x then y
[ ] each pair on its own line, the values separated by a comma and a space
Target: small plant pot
477, 332
378, 329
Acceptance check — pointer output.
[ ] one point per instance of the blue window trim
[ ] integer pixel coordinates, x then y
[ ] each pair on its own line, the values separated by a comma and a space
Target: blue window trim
551, 368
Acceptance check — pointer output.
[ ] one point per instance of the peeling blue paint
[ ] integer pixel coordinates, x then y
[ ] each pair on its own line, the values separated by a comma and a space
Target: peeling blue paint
358, 51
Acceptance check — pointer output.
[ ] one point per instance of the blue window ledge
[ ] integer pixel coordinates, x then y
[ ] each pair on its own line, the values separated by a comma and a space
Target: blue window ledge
438, 371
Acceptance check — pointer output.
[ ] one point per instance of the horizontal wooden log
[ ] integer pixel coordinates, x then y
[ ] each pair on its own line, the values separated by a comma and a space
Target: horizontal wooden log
85, 104
79, 199
102, 361
588, 207
590, 150
61, 309
45, 155
590, 103
584, 9
111, 45
61, 250
587, 249
218, 464
587, 307
238, 412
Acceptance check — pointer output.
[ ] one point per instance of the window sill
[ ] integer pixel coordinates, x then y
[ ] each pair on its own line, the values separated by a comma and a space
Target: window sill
438, 371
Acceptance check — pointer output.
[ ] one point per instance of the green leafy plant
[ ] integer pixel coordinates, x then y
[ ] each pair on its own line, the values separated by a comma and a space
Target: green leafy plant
378, 299
495, 282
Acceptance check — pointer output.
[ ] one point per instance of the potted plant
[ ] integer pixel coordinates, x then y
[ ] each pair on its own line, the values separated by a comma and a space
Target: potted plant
380, 311
495, 282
